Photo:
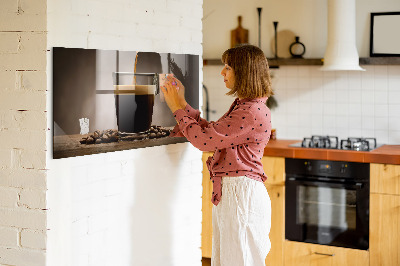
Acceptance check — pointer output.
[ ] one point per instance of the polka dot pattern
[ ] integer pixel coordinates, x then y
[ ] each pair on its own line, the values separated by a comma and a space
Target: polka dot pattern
238, 139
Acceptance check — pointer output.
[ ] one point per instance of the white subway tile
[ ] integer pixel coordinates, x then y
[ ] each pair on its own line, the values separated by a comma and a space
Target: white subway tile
380, 71
381, 110
355, 96
291, 71
394, 137
329, 109
367, 96
368, 123
394, 123
394, 110
394, 97
381, 123
381, 97
394, 83
355, 122
382, 136
368, 110
355, 132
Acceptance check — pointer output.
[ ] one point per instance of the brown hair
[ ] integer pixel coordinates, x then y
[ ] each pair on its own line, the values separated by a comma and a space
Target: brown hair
250, 66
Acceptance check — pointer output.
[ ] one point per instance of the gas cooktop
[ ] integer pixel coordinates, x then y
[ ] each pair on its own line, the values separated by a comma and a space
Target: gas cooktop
332, 142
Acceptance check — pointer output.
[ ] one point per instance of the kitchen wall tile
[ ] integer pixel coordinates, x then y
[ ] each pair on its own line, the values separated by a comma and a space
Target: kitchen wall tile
342, 96
367, 110
354, 80
315, 72
393, 71
367, 96
380, 84
394, 82
381, 110
394, 97
367, 123
355, 132
355, 122
355, 109
329, 122
394, 137
304, 72
342, 109
292, 83
394, 110
381, 71
303, 82
394, 123
291, 71
342, 80
355, 96
381, 97
342, 122
381, 136
381, 123
329, 109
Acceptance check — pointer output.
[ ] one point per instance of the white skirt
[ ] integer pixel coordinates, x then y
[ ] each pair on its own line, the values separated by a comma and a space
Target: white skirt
241, 223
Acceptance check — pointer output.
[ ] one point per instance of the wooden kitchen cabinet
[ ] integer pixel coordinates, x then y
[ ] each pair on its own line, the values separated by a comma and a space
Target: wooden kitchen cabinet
385, 215
274, 168
305, 254
385, 178
206, 225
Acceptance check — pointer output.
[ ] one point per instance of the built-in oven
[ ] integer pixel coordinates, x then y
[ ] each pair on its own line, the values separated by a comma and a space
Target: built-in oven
327, 202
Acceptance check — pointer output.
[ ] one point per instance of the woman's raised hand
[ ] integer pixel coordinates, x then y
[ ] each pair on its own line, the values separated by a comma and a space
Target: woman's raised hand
174, 93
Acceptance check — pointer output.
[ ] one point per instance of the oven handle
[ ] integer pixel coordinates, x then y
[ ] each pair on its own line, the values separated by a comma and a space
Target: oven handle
357, 185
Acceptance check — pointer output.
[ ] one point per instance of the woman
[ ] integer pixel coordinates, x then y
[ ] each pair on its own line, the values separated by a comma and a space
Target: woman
242, 208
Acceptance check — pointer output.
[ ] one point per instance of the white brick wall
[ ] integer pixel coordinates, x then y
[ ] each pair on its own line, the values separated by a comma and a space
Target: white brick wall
135, 207
23, 132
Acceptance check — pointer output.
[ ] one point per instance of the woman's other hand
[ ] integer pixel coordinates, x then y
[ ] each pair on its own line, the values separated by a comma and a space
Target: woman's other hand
174, 94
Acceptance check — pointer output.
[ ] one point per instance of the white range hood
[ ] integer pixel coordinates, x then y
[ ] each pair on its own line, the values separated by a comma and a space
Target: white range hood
341, 51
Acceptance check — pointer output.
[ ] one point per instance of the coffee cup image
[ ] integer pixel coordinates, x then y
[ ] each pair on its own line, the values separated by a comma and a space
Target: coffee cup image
134, 100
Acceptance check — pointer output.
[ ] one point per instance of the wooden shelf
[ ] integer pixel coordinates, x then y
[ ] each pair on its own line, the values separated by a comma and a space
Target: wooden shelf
380, 61
274, 63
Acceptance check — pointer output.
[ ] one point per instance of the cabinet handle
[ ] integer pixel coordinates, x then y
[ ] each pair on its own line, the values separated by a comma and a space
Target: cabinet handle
325, 254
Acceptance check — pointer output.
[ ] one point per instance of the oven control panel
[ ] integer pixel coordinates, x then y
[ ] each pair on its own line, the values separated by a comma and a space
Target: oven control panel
338, 169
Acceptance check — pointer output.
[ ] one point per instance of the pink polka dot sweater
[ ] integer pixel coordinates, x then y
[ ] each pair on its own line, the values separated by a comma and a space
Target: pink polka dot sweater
238, 139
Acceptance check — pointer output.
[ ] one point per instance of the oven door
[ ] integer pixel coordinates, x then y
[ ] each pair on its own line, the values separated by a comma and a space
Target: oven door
327, 213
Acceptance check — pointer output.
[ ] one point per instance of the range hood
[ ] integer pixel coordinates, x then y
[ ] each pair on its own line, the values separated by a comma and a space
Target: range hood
341, 51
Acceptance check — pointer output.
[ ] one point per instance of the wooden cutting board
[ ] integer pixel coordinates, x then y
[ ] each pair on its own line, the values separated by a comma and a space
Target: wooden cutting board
239, 35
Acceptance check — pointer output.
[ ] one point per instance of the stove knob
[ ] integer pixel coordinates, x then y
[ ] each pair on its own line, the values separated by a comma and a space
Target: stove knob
343, 168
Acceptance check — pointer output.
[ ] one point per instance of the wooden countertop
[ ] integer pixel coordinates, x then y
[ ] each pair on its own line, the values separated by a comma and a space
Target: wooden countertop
389, 154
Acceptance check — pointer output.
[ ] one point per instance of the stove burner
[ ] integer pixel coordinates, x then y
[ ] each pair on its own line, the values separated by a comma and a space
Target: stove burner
358, 144
328, 142
332, 142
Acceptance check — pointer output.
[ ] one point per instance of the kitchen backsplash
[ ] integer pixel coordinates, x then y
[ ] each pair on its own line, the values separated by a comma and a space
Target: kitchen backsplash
314, 102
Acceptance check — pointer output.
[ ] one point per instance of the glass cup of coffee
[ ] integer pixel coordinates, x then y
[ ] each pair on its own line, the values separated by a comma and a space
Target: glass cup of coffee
134, 100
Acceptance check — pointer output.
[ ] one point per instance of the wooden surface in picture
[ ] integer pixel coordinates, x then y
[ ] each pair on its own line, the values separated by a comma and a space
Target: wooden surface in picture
69, 145
239, 35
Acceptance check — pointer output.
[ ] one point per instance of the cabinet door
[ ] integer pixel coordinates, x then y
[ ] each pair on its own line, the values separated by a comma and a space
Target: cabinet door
277, 233
385, 178
274, 168
206, 232
384, 230
304, 254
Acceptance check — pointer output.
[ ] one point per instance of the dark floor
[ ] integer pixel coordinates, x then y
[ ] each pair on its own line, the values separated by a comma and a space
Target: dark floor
206, 261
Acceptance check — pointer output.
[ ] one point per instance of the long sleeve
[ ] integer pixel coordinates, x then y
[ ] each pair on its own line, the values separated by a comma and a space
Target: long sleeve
193, 113
231, 130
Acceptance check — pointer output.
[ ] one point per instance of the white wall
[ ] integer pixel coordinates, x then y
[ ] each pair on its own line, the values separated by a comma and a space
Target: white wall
23, 133
311, 102
134, 207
